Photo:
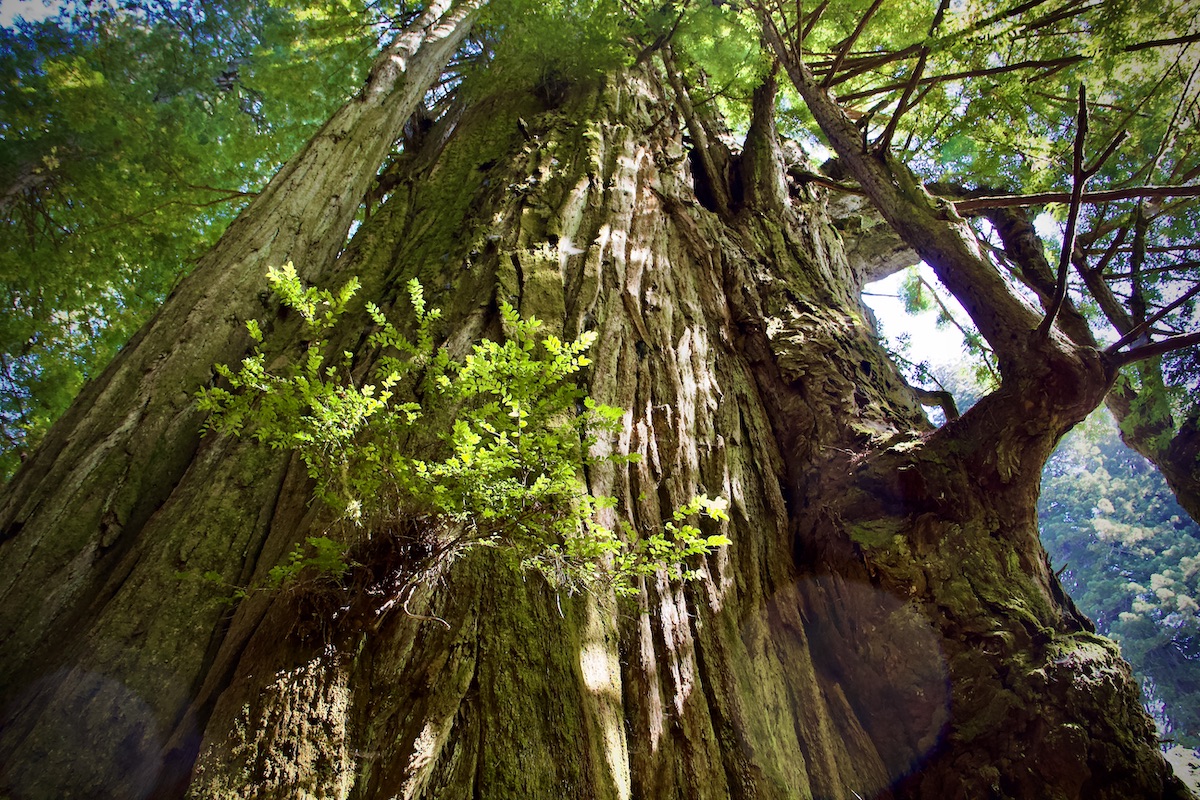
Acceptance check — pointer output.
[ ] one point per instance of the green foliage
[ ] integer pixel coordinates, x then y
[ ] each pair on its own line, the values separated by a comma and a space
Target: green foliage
722, 51
913, 292
1131, 560
131, 137
548, 45
1150, 413
920, 296
510, 432
134, 133
323, 557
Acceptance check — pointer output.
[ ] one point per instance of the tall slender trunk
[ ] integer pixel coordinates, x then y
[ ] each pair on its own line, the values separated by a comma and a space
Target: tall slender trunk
89, 517
883, 625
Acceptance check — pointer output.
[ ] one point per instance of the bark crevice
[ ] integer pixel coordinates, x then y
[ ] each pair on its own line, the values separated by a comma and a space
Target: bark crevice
871, 557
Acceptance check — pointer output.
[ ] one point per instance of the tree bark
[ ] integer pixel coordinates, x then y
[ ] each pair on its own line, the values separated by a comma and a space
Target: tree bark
1148, 425
95, 523
884, 624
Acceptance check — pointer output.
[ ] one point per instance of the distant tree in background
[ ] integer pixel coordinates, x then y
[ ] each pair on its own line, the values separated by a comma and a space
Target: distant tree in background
1130, 558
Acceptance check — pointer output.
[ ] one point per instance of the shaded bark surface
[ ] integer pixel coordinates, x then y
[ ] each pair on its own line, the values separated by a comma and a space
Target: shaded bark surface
884, 624
121, 495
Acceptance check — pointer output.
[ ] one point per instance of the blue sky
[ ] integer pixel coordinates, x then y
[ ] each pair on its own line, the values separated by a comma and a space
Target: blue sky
31, 10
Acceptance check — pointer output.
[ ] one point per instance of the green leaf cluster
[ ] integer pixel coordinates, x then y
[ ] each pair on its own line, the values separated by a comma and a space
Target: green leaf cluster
490, 454
547, 45
323, 557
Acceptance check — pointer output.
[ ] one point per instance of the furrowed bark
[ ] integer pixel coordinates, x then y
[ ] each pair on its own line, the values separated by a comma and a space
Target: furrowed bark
532, 695
883, 625
122, 493
1002, 442
883, 619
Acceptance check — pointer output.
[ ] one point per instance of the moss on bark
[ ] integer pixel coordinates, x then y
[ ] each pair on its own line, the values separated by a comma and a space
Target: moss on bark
883, 625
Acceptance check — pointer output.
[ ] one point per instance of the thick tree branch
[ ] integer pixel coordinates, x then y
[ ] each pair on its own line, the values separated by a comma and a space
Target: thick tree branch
940, 398
1102, 293
1144, 327
805, 176
762, 171
1156, 349
768, 22
932, 229
1024, 248
302, 215
1102, 196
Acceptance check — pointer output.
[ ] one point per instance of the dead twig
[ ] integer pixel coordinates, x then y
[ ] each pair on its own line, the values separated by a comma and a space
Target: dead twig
885, 139
1144, 327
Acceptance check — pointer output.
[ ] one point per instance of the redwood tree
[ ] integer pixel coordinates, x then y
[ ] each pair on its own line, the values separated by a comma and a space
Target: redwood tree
884, 623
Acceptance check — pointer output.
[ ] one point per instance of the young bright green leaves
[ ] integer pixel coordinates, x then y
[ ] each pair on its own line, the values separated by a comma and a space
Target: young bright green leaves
510, 429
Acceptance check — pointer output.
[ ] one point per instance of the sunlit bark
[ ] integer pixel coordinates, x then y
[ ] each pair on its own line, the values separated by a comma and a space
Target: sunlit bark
884, 624
92, 527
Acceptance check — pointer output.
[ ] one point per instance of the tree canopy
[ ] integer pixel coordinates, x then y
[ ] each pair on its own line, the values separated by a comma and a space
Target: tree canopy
133, 135
1039, 157
130, 138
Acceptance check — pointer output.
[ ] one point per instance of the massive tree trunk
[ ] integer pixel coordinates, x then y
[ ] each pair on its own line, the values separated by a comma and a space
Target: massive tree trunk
884, 624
